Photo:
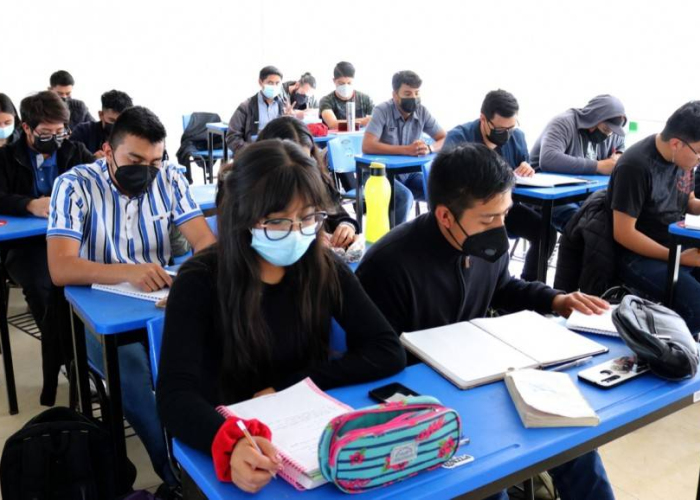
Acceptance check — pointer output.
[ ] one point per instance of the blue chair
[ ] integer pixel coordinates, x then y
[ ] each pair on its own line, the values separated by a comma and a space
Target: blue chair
341, 158
203, 154
337, 342
426, 173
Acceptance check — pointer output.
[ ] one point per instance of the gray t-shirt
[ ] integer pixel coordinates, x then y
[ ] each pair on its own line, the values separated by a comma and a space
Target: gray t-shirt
388, 124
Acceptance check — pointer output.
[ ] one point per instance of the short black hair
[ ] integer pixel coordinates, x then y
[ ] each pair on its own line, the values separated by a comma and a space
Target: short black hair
409, 78
138, 121
62, 78
6, 106
307, 78
344, 69
270, 70
116, 100
499, 102
44, 107
684, 123
466, 174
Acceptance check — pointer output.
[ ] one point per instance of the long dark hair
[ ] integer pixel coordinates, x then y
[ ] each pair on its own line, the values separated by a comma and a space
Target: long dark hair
268, 176
6, 106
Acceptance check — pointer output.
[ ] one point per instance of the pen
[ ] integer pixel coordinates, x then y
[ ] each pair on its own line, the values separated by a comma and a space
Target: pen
573, 364
244, 430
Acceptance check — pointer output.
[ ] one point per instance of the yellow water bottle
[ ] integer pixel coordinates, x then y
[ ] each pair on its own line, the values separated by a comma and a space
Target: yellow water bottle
377, 196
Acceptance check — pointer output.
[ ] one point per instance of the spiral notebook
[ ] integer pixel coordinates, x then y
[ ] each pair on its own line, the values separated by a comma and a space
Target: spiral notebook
547, 180
131, 291
297, 417
599, 324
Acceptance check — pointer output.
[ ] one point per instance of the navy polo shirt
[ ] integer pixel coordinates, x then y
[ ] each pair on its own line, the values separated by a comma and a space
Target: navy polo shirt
514, 152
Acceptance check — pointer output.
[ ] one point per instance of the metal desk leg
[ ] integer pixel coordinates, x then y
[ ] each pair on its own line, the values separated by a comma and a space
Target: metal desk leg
529, 489
359, 200
544, 241
392, 200
116, 415
225, 146
7, 353
674, 261
81, 367
209, 166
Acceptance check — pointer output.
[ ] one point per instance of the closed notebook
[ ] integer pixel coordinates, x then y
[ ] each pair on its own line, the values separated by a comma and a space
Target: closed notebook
296, 416
549, 399
130, 290
600, 324
483, 350
547, 180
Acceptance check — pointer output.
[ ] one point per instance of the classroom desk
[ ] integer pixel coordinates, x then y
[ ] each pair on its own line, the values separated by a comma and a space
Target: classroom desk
680, 236
216, 128
395, 165
114, 320
12, 229
205, 196
506, 453
547, 199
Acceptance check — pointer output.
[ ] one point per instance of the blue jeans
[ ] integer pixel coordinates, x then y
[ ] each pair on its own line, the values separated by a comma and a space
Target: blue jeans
649, 277
583, 478
562, 214
138, 400
409, 187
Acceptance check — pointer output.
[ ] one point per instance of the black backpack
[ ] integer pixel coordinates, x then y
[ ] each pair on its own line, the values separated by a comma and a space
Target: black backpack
59, 454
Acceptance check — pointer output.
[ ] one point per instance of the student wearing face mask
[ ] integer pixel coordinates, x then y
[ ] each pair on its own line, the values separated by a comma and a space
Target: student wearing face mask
28, 168
254, 113
333, 106
497, 129
9, 121
396, 128
586, 140
108, 224
252, 314
95, 134
451, 265
62, 83
299, 96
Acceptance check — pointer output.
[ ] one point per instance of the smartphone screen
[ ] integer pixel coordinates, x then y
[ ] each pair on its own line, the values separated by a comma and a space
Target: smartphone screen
391, 393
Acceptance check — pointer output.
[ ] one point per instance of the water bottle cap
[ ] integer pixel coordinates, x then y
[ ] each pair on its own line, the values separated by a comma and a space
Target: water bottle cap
376, 168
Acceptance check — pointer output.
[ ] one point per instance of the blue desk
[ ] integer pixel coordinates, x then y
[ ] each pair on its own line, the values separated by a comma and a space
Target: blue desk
110, 317
220, 128
547, 199
680, 236
205, 196
13, 228
506, 452
395, 165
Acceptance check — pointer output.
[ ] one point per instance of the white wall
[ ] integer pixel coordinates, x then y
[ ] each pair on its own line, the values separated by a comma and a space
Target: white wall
177, 57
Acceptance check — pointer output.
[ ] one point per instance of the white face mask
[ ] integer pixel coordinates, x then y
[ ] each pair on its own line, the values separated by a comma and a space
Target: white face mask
271, 91
6, 132
345, 91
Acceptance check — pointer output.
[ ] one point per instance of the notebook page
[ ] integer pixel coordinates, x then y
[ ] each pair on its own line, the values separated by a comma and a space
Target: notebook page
594, 323
547, 180
465, 354
540, 338
130, 290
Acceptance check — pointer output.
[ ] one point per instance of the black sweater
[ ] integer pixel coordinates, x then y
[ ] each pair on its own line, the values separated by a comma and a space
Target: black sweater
419, 280
189, 387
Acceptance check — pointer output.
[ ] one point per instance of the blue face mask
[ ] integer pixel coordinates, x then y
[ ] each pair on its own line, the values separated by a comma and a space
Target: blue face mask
284, 252
6, 132
271, 91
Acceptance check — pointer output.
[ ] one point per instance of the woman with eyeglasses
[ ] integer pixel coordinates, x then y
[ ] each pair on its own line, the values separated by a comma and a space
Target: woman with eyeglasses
252, 314
9, 121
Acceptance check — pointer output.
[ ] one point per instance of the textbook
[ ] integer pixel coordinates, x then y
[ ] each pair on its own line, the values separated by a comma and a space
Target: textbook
483, 350
549, 399
297, 417
600, 324
547, 180
131, 291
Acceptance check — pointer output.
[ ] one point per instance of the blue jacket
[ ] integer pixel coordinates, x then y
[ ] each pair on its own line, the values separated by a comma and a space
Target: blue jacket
514, 152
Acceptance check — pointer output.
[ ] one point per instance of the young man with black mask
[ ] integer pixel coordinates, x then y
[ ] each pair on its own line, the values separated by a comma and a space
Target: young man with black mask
109, 224
62, 83
28, 168
451, 265
497, 129
95, 134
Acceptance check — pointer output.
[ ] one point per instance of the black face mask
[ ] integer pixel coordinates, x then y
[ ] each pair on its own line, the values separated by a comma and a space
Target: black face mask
499, 137
47, 147
597, 136
65, 99
409, 104
300, 100
135, 179
489, 245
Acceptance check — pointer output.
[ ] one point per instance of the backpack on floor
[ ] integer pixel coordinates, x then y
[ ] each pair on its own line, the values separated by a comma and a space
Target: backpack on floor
59, 454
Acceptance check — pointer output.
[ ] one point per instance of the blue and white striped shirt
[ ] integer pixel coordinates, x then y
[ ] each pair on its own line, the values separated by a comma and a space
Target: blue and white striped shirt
113, 228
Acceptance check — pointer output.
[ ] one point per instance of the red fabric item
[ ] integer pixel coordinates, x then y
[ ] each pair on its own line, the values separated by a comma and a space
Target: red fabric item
318, 129
226, 438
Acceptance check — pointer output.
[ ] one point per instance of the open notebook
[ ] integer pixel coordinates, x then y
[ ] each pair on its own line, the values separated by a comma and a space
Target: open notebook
600, 324
483, 350
547, 180
131, 291
297, 417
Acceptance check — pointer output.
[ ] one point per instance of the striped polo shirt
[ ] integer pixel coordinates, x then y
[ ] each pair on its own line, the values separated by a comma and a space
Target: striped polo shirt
113, 228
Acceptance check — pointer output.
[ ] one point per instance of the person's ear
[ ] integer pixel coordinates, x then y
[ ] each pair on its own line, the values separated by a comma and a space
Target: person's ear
100, 114
27, 129
444, 216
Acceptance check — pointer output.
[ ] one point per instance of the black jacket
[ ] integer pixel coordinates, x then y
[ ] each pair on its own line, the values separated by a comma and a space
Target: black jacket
79, 113
17, 172
587, 249
194, 138
244, 123
91, 134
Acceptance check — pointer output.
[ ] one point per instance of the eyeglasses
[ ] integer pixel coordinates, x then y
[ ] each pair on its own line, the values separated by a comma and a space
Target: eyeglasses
278, 229
502, 129
48, 137
691, 148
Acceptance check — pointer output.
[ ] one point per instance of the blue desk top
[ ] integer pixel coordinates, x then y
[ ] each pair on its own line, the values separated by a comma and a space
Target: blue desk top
107, 313
324, 139
675, 229
217, 127
395, 161
15, 228
204, 195
595, 183
499, 441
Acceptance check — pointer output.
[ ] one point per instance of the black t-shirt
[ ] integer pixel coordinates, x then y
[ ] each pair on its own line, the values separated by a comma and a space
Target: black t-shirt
654, 191
363, 105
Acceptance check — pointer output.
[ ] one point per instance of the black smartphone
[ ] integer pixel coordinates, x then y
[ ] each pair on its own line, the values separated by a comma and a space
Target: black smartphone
391, 393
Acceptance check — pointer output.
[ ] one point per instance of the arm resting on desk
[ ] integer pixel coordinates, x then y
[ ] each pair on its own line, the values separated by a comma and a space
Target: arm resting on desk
371, 145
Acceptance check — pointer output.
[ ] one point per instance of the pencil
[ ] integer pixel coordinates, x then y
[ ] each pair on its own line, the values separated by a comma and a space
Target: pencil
244, 430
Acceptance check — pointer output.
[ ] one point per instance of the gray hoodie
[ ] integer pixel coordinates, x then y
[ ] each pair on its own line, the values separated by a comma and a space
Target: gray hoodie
560, 148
